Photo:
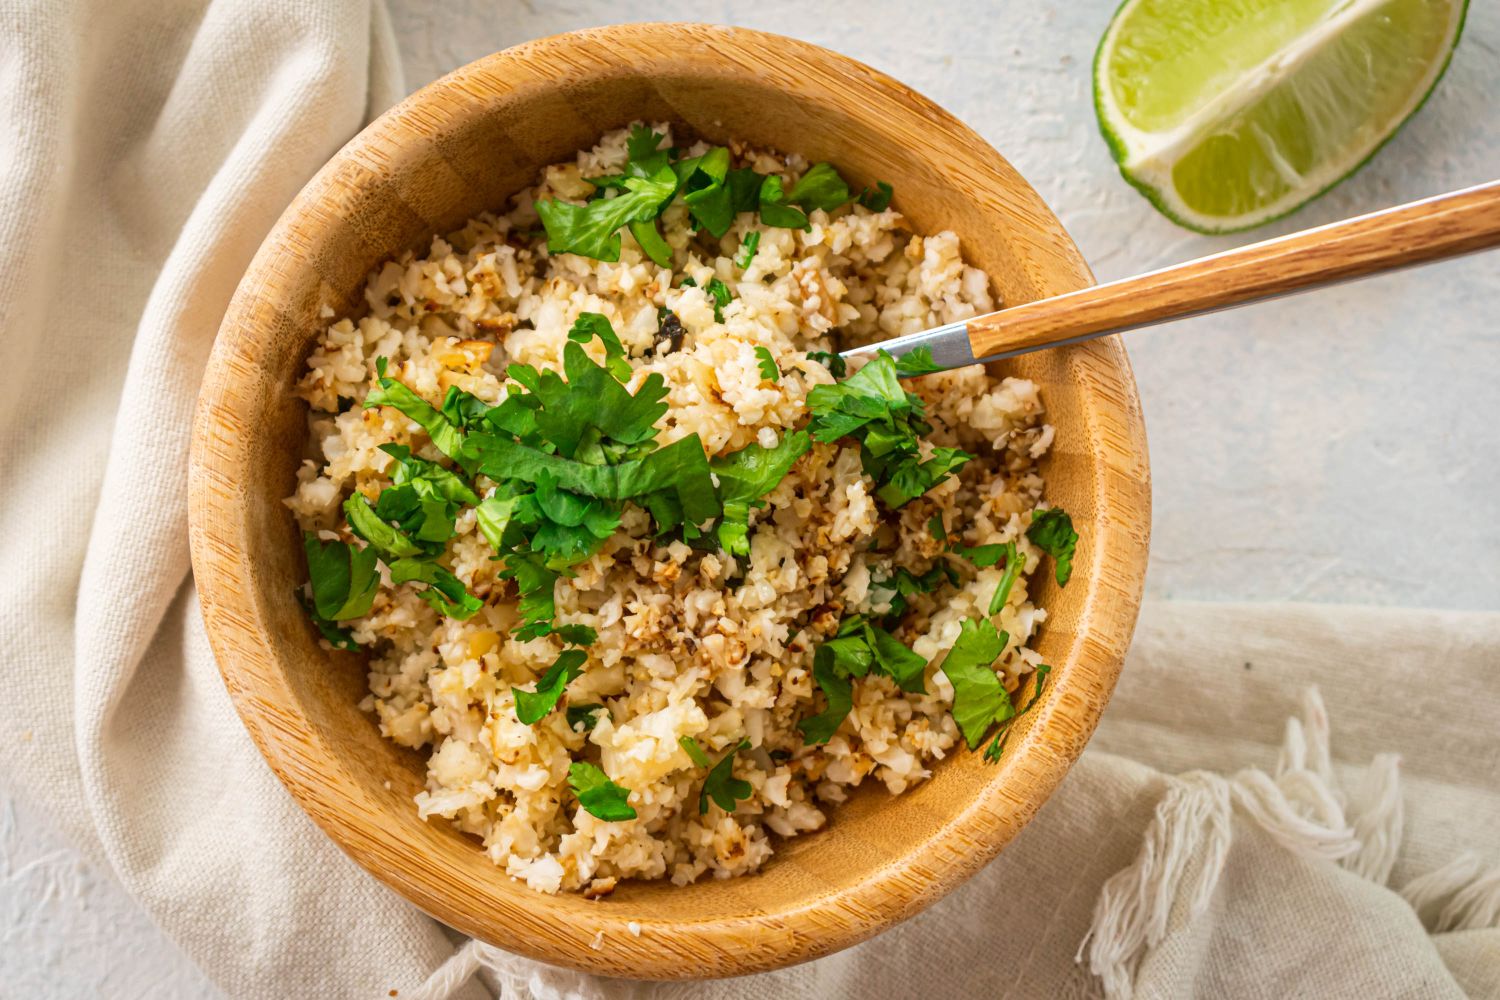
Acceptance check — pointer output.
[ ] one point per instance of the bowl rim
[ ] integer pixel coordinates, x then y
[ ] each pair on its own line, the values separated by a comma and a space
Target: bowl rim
715, 947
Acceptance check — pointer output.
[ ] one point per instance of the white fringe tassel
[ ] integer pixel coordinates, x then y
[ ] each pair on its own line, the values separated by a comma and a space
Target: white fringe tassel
1301, 806
1460, 896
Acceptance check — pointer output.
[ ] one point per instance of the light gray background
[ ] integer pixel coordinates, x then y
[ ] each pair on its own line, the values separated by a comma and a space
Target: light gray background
1335, 447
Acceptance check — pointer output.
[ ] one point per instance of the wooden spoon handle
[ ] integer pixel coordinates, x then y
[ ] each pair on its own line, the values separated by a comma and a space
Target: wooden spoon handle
1418, 233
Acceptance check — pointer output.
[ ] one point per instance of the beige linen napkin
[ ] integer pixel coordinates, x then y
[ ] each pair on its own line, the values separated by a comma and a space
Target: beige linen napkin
148, 146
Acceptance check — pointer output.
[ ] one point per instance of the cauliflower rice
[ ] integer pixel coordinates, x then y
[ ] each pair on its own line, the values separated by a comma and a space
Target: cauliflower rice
691, 643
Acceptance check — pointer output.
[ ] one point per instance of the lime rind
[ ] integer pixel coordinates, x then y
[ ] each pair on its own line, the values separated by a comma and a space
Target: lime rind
1163, 198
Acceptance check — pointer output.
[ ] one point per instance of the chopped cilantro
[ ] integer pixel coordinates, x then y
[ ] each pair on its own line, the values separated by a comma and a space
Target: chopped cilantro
718, 293
589, 325
979, 699
600, 797
744, 186
344, 578
446, 437
748, 247
774, 210
821, 187
747, 475
648, 237
997, 746
871, 406
878, 198
767, 363
721, 785
388, 541
578, 635
1052, 531
337, 636
835, 363
444, 591
935, 528
1013, 563
983, 556
702, 180
533, 706
586, 716
857, 648
838, 691
908, 584
917, 361
646, 188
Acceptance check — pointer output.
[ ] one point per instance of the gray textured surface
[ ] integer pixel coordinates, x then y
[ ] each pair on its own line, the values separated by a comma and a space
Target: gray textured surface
1338, 447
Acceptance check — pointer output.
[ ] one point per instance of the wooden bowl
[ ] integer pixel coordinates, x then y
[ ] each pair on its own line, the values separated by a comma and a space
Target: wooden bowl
464, 144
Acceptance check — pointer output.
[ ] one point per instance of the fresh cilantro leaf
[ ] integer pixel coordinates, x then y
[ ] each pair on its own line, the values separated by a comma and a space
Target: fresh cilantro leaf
444, 591
600, 797
578, 635
388, 541
447, 438
887, 421
747, 475
534, 588
589, 325
680, 469
1052, 531
908, 584
902, 665
494, 516
533, 706
720, 785
871, 394
721, 295
586, 716
838, 691
983, 556
878, 198
694, 751
935, 528
592, 230
703, 181
748, 246
997, 747
835, 364
344, 578
917, 361
461, 409
906, 477
774, 210
648, 237
979, 699
767, 363
1013, 563
718, 293
432, 478
744, 187
643, 152
821, 187
337, 636
857, 648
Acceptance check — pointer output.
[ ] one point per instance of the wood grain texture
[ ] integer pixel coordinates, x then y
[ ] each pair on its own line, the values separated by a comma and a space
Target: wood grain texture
463, 145
1419, 233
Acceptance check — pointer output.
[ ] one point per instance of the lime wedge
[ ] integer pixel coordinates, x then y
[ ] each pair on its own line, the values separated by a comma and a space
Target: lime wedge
1229, 113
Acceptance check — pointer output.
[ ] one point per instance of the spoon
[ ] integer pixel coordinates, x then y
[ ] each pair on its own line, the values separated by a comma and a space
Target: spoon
1421, 232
